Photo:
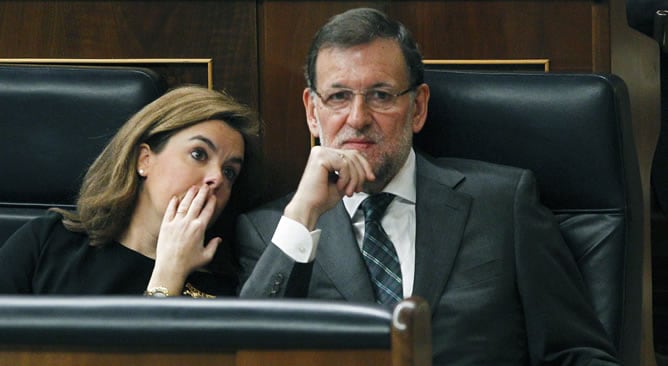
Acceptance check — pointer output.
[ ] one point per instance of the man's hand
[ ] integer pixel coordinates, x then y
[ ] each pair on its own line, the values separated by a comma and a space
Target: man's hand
329, 175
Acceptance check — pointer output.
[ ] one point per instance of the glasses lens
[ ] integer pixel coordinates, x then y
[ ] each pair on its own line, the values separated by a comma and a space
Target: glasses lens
375, 99
380, 99
338, 99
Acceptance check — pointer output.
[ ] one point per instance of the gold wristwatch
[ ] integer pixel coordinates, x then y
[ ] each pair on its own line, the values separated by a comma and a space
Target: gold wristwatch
156, 292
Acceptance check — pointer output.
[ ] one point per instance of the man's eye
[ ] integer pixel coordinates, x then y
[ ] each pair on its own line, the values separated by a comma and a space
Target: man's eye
340, 96
199, 154
230, 173
381, 96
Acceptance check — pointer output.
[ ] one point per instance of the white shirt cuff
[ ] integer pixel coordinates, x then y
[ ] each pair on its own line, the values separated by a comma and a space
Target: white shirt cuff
295, 240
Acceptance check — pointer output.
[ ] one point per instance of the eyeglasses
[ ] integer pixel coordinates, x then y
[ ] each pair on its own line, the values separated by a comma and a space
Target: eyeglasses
376, 99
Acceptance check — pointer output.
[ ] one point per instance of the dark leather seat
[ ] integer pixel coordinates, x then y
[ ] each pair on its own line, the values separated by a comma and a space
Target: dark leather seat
574, 132
199, 324
54, 120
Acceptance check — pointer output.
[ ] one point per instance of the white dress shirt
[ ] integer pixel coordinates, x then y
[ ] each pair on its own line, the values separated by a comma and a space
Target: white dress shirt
398, 222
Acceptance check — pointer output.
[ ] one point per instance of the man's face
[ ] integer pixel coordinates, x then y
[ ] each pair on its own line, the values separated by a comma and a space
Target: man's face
382, 135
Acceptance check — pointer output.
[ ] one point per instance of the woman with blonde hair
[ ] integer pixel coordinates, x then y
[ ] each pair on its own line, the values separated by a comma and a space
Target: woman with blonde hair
144, 207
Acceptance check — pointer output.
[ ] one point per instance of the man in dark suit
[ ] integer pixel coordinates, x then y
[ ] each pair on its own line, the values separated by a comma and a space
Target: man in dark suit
469, 237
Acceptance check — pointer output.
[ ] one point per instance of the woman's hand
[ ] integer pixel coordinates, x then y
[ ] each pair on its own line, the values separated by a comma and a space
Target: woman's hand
180, 249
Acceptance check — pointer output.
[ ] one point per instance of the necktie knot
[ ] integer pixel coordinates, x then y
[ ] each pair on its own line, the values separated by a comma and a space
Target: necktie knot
375, 205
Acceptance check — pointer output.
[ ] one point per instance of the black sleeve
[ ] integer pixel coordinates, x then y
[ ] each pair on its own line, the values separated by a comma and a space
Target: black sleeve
20, 254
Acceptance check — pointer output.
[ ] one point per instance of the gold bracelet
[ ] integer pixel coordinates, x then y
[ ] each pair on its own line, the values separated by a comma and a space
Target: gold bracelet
191, 291
156, 292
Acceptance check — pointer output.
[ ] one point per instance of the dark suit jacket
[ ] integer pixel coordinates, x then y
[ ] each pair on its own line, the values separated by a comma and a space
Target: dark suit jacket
502, 285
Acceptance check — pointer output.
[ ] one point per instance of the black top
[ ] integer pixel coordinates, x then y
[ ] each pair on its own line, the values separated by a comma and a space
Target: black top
43, 257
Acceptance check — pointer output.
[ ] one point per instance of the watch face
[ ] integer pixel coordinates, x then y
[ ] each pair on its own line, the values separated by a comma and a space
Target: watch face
157, 292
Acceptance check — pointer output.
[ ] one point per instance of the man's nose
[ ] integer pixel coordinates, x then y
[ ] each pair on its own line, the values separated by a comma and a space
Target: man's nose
359, 114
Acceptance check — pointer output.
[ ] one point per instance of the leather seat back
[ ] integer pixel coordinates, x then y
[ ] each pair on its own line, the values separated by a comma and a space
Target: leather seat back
54, 121
574, 132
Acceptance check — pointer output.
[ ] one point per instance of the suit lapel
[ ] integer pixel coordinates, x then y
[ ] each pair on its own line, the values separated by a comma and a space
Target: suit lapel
340, 257
441, 215
436, 246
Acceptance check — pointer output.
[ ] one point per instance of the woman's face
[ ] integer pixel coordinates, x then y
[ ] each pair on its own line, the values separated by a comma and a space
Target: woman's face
209, 152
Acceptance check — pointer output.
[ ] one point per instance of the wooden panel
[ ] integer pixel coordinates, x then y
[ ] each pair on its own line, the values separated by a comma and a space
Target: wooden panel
34, 357
224, 31
240, 358
321, 358
556, 30
174, 71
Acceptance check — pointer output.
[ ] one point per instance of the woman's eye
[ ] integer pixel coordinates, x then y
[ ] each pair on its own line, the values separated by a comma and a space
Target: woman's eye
230, 174
199, 154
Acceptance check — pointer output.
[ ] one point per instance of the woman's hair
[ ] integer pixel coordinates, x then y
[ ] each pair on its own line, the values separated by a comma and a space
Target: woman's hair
111, 185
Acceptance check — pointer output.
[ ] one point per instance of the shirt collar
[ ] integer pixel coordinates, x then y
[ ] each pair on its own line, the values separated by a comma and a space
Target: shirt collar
402, 186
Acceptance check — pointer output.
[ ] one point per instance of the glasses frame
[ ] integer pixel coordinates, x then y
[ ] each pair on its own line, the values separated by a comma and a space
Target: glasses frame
364, 93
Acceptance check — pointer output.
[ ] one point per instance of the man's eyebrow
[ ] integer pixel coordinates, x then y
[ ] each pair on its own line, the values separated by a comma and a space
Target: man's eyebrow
339, 86
381, 84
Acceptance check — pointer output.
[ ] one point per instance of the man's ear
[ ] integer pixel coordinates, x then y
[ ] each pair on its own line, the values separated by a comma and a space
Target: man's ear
420, 110
309, 108
143, 159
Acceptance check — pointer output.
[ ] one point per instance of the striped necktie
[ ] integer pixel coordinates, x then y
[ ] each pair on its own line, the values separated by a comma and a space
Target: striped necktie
379, 253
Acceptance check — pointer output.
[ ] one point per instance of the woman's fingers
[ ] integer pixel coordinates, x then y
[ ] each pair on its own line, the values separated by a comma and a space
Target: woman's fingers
186, 201
198, 202
192, 203
170, 211
209, 208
